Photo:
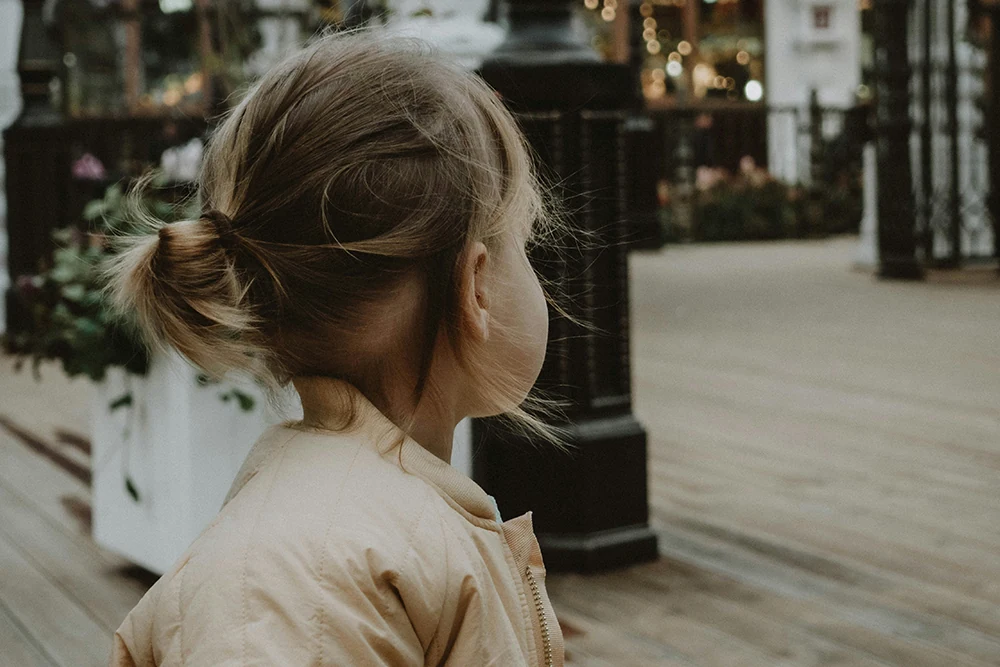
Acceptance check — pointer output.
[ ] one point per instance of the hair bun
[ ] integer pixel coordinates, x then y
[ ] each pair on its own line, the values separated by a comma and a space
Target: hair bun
223, 226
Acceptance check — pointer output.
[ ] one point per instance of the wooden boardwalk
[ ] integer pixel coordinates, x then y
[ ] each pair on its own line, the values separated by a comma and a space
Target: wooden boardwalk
824, 474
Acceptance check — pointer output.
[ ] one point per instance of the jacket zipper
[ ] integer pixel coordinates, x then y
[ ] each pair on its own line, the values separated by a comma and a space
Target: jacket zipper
543, 622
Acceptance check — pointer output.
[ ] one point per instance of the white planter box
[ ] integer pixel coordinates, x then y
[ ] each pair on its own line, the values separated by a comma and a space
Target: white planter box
181, 446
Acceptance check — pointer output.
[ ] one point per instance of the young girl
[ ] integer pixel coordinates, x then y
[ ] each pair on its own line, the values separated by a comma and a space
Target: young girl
365, 215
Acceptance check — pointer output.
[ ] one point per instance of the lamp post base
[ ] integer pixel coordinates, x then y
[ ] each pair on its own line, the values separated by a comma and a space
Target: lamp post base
900, 269
589, 504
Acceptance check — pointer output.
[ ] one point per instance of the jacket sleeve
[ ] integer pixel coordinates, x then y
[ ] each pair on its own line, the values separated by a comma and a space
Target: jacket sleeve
457, 616
133, 641
362, 620
120, 655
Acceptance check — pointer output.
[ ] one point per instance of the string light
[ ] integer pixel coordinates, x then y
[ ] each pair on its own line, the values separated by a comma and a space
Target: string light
743, 58
702, 77
611, 4
648, 34
674, 68
646, 9
608, 14
753, 90
674, 57
653, 47
649, 24
591, 4
685, 48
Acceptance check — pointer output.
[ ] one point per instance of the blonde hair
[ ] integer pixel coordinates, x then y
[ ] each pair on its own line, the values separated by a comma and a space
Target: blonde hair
350, 165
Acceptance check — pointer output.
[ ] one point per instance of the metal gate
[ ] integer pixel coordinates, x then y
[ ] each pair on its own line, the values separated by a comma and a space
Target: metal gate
950, 141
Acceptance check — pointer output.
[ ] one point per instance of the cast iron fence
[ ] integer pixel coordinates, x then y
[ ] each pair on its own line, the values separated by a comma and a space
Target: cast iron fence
950, 140
712, 173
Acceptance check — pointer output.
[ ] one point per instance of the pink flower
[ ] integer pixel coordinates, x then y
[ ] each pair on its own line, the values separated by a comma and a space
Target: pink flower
88, 168
29, 286
707, 178
663, 192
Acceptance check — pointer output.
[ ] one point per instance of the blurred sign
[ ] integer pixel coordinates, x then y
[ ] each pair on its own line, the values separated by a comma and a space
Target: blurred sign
821, 22
821, 17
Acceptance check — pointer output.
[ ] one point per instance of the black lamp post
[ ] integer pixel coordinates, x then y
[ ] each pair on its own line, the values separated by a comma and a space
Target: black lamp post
37, 154
590, 506
897, 242
993, 112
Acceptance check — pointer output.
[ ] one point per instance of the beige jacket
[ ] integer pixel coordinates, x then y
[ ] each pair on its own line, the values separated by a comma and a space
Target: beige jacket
334, 550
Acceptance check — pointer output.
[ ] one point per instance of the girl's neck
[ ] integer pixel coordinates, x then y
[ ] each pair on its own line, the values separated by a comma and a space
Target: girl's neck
432, 424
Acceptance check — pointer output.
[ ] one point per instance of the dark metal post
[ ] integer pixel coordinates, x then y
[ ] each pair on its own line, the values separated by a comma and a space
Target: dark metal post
590, 505
896, 210
951, 103
926, 212
815, 214
993, 128
684, 191
815, 141
37, 155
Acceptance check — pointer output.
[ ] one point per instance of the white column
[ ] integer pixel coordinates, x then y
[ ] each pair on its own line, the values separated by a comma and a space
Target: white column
811, 45
11, 15
867, 253
461, 449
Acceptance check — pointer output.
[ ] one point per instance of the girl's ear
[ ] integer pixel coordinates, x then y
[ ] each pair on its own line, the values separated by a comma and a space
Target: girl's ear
475, 300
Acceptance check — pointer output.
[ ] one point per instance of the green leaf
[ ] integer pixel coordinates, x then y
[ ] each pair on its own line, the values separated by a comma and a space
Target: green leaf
122, 401
132, 490
74, 292
204, 380
247, 402
94, 210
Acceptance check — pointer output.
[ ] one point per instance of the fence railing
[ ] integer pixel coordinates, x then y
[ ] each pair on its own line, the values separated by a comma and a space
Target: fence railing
747, 171
950, 142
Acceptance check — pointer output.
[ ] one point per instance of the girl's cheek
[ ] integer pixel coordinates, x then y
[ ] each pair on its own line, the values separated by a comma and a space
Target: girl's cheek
537, 327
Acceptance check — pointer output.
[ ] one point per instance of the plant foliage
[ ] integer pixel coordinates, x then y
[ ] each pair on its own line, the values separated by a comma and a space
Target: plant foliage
68, 320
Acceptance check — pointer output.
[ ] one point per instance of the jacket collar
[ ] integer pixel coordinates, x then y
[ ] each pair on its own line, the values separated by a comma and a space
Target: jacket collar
326, 401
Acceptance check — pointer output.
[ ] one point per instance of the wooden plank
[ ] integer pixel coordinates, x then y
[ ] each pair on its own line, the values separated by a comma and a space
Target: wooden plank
63, 630
845, 617
84, 575
737, 609
603, 644
830, 529
50, 489
71, 463
880, 514
699, 478
775, 419
50, 406
950, 549
657, 620
17, 649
